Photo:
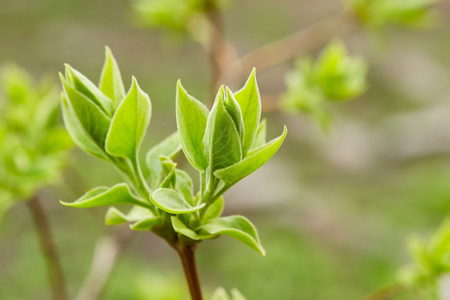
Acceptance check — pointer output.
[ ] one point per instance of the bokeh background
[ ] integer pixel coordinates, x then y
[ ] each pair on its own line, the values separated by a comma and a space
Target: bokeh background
334, 210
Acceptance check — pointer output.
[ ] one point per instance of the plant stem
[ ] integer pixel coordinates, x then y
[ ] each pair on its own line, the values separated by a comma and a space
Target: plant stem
56, 277
186, 253
217, 45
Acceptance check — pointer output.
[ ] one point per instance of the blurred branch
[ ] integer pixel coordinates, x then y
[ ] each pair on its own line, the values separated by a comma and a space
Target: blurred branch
106, 253
287, 48
270, 103
389, 292
48, 247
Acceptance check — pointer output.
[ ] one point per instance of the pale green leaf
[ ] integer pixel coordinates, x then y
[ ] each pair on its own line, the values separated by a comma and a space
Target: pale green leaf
84, 86
185, 186
214, 210
260, 138
170, 201
111, 83
237, 227
94, 122
252, 162
249, 101
220, 294
147, 224
102, 196
129, 124
222, 141
169, 168
77, 132
181, 228
169, 147
235, 113
191, 123
136, 213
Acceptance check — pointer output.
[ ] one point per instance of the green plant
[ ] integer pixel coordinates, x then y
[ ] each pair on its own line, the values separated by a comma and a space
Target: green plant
224, 145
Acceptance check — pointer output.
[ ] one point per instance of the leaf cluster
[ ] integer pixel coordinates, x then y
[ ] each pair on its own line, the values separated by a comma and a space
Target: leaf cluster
33, 142
431, 260
377, 14
225, 145
334, 77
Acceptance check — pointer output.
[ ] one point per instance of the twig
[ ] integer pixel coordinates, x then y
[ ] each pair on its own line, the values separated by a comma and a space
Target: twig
56, 277
106, 253
387, 293
186, 253
301, 42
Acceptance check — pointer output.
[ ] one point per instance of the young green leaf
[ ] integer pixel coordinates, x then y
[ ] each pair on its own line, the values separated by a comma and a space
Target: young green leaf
84, 86
184, 186
77, 132
191, 123
260, 138
235, 113
181, 228
129, 124
102, 196
111, 83
136, 213
169, 147
170, 201
237, 227
250, 103
222, 142
169, 168
214, 210
251, 163
147, 224
94, 122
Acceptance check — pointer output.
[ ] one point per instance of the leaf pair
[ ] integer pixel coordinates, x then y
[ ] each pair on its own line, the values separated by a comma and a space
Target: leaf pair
103, 121
229, 140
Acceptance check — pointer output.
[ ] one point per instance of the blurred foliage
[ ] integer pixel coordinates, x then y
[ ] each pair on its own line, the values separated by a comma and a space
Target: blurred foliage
431, 260
376, 14
221, 294
175, 15
334, 77
31, 137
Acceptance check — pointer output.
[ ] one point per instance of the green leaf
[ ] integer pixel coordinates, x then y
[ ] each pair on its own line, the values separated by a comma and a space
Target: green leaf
237, 227
220, 294
147, 224
170, 201
94, 122
250, 103
129, 124
235, 113
181, 228
191, 122
77, 132
185, 186
169, 147
222, 141
102, 196
84, 86
260, 138
136, 213
111, 83
169, 168
252, 162
214, 210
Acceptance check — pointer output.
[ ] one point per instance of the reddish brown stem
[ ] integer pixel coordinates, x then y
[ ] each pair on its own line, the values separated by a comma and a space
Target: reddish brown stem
56, 277
187, 257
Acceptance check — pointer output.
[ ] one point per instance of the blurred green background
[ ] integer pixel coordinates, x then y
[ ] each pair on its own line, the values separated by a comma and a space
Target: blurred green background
334, 211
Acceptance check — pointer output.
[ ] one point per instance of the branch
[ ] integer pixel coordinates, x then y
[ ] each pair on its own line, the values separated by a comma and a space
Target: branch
106, 253
56, 276
187, 256
287, 48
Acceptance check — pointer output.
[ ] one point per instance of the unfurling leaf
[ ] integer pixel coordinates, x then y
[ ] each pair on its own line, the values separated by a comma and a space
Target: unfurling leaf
250, 103
214, 210
222, 141
129, 124
237, 227
170, 201
102, 196
251, 163
136, 213
111, 83
191, 123
181, 228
